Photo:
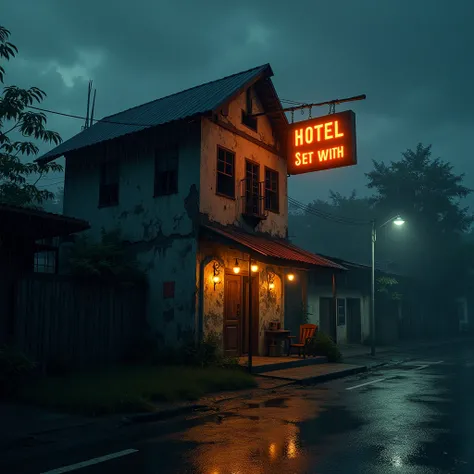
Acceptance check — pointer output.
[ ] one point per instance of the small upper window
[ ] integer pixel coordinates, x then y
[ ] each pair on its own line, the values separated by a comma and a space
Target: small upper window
109, 184
247, 118
166, 171
272, 198
225, 173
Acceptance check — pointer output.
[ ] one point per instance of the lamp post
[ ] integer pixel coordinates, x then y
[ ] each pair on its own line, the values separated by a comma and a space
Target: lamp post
398, 221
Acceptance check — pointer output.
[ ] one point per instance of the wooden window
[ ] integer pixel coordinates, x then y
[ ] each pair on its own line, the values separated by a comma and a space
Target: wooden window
272, 195
252, 175
341, 312
225, 173
46, 261
168, 289
109, 184
247, 119
166, 171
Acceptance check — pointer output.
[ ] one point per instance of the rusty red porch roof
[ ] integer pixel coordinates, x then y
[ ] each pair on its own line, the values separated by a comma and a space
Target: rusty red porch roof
272, 247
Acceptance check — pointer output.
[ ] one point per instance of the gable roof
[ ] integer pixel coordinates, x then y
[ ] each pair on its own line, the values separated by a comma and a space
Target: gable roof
193, 102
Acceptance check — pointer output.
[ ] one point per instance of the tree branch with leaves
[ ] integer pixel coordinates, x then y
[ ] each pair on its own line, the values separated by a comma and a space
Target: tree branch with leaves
19, 178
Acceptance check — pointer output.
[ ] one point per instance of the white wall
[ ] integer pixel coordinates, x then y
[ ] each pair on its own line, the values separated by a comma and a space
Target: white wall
160, 229
228, 211
315, 292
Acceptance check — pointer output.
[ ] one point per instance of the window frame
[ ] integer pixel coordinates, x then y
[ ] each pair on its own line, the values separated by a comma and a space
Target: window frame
169, 155
232, 153
103, 185
266, 190
247, 192
338, 301
249, 122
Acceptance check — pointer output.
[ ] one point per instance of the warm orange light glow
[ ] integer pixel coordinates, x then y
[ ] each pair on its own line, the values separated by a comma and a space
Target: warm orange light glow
254, 268
322, 143
292, 450
271, 286
236, 268
272, 451
291, 276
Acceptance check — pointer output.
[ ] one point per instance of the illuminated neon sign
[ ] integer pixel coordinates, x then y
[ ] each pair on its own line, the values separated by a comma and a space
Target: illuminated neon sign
322, 143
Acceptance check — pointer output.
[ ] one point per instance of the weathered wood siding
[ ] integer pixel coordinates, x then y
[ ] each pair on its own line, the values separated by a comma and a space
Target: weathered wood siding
78, 324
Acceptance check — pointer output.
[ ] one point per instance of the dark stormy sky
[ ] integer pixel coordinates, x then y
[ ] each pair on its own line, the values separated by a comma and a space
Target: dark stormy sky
413, 59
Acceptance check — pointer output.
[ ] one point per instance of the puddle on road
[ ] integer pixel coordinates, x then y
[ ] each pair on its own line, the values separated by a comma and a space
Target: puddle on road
272, 403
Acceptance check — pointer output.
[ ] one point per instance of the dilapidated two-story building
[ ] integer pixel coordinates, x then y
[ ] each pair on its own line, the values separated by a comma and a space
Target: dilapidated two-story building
197, 183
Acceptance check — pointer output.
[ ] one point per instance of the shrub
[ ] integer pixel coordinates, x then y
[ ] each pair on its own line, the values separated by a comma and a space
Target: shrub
323, 345
15, 368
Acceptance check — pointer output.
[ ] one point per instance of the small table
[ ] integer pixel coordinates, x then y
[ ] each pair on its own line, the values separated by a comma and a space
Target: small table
273, 337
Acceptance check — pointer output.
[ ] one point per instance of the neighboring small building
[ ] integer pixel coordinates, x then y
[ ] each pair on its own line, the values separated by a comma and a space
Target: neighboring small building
198, 185
27, 244
340, 303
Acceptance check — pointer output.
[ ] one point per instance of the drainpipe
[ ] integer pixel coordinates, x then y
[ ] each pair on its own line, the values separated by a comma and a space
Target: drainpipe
200, 322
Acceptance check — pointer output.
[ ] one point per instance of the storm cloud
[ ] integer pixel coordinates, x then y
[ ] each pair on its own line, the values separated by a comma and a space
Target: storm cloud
411, 58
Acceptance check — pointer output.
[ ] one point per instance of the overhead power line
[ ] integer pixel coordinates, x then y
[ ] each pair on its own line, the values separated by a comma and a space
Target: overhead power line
325, 215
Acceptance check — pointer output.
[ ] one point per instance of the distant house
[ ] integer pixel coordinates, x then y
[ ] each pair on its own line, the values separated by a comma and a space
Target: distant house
28, 243
198, 185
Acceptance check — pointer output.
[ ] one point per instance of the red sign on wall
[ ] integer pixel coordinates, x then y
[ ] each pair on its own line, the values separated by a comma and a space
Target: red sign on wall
322, 143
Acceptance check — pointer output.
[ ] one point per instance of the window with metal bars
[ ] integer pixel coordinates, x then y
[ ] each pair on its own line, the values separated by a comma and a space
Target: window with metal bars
225, 173
272, 198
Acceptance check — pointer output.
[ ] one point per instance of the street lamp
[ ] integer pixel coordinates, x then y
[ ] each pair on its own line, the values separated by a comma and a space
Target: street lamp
398, 221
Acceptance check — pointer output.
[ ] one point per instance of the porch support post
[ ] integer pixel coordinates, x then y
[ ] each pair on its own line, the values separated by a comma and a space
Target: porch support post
250, 316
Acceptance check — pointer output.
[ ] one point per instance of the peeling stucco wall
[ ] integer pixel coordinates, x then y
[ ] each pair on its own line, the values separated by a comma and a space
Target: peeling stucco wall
161, 230
271, 302
228, 211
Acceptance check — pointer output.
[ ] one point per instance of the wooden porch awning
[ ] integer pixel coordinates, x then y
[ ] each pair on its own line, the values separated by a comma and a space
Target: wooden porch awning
272, 247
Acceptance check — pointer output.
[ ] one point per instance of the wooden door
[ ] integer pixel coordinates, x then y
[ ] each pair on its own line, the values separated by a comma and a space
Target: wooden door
327, 317
255, 315
232, 314
354, 325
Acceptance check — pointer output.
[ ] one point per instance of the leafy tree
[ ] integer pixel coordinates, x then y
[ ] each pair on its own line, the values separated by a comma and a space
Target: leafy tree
425, 190
16, 120
431, 246
107, 259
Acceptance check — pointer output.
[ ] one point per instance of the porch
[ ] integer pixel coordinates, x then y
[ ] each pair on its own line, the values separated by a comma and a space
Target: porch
252, 285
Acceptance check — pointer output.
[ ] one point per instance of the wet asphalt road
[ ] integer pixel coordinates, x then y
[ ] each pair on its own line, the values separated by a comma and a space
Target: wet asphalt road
413, 417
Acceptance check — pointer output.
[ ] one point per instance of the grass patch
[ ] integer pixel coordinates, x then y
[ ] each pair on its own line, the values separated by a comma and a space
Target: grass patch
131, 388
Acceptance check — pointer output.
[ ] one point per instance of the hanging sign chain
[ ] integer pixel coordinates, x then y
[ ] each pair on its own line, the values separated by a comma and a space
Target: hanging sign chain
310, 113
292, 116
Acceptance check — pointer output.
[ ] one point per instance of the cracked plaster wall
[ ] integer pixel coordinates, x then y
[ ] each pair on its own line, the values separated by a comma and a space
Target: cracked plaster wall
228, 211
161, 230
271, 303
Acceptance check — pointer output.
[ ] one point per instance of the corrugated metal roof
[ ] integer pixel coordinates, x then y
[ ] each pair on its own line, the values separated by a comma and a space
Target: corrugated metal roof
274, 248
191, 102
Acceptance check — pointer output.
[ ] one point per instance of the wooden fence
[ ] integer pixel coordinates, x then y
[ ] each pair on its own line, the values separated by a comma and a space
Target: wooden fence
58, 320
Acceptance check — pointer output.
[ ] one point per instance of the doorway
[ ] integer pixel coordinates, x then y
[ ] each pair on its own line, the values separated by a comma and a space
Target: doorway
327, 317
236, 322
354, 325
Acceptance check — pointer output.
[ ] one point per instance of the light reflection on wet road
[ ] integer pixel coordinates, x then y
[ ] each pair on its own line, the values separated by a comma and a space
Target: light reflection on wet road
413, 421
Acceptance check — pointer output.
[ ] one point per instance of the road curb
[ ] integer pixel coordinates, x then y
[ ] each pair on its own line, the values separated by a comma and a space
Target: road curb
163, 414
317, 379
